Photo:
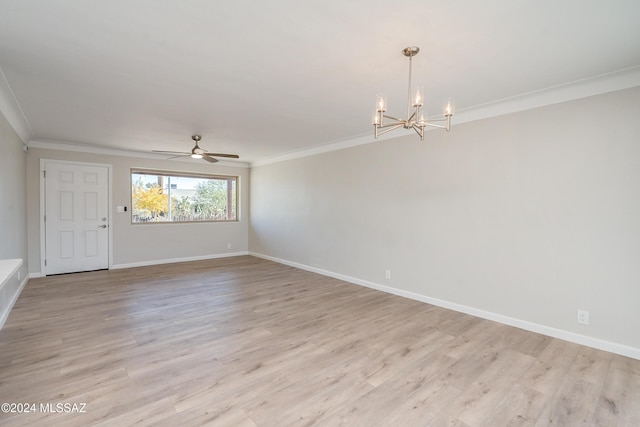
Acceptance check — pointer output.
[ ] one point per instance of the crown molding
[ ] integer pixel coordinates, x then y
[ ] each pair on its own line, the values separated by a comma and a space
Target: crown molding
94, 149
10, 108
597, 85
584, 88
319, 149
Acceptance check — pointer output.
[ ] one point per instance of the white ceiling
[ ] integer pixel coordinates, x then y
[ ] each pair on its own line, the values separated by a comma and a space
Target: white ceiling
265, 78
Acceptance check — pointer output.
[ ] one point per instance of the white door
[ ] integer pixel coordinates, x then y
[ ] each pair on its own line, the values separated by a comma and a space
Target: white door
76, 217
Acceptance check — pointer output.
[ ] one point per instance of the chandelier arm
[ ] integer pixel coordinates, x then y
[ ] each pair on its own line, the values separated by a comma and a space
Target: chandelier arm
433, 125
389, 129
394, 118
387, 125
419, 130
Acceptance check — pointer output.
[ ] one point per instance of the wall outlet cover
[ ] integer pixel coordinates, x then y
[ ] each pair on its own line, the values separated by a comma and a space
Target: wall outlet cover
583, 317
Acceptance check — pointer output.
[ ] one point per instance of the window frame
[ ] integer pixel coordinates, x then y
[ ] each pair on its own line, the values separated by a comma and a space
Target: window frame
183, 174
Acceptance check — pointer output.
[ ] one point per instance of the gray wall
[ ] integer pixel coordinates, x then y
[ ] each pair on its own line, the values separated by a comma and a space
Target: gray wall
530, 216
13, 211
145, 243
13, 205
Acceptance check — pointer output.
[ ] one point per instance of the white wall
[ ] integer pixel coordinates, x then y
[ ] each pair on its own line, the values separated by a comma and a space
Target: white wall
13, 212
525, 217
143, 244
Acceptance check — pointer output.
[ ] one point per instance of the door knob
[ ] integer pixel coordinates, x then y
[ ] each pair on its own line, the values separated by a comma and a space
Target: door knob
102, 226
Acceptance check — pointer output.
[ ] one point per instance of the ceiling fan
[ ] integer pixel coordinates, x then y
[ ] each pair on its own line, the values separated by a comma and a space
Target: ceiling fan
198, 153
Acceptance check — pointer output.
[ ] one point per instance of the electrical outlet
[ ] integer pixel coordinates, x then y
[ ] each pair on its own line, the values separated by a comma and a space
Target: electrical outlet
18, 275
387, 274
228, 245
583, 317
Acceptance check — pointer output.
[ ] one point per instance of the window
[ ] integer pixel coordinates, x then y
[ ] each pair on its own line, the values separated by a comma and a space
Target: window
158, 196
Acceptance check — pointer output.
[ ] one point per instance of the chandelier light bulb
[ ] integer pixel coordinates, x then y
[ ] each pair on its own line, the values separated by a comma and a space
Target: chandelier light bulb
381, 104
419, 98
449, 108
422, 118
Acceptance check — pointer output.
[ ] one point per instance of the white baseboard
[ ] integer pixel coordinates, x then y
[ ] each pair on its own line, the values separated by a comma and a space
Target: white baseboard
161, 261
174, 260
4, 316
597, 343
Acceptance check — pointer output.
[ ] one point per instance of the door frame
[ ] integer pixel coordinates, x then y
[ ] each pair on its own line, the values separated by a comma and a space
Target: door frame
43, 164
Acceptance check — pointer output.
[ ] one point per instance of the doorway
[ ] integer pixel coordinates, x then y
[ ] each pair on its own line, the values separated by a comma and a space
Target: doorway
76, 219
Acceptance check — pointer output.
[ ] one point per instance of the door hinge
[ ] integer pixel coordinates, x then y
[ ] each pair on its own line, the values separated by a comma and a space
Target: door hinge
44, 174
45, 262
45, 218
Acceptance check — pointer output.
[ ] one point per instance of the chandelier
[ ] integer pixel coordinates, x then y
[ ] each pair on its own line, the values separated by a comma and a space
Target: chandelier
415, 120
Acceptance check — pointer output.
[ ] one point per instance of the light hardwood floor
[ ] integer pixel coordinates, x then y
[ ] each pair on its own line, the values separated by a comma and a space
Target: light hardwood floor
247, 342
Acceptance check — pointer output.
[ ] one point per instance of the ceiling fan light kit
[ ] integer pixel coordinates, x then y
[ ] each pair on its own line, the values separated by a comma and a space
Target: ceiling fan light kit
416, 120
198, 153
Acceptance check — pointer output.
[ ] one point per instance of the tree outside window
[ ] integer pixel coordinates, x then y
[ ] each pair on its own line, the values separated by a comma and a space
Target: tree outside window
163, 197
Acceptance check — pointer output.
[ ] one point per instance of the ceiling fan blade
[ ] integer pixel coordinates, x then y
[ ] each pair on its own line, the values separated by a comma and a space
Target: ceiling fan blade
177, 157
196, 150
171, 152
208, 158
231, 156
